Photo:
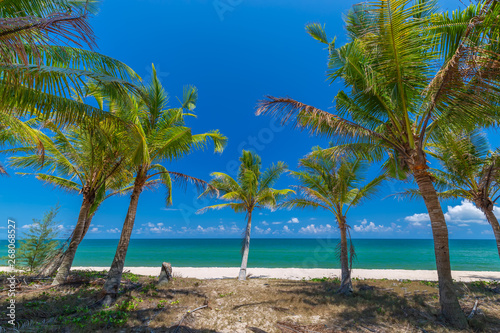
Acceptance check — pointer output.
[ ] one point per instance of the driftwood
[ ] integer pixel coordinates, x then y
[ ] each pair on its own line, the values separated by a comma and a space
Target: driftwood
166, 273
188, 313
473, 312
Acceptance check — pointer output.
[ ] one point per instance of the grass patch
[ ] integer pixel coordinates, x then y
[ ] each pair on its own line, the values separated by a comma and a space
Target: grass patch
376, 305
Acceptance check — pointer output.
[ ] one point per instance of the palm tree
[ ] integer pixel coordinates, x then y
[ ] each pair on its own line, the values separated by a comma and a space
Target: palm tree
397, 98
252, 190
40, 71
84, 160
336, 186
161, 135
469, 171
14, 131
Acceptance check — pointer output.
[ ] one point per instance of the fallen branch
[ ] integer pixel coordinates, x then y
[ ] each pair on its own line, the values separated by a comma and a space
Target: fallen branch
187, 313
367, 328
474, 311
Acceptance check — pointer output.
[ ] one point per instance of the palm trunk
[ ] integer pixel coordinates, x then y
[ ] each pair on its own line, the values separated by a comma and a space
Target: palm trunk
113, 280
69, 255
51, 268
492, 219
346, 282
450, 306
246, 249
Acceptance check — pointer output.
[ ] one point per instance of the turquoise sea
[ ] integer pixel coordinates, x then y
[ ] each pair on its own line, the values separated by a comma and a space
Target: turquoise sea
469, 255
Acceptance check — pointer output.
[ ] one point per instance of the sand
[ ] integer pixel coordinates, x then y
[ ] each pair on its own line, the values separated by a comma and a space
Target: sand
307, 273
303, 273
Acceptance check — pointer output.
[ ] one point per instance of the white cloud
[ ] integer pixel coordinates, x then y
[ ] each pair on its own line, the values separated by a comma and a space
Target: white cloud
95, 230
416, 220
321, 229
312, 219
287, 230
157, 228
261, 231
113, 231
466, 212
276, 222
293, 220
27, 226
462, 215
264, 223
235, 229
219, 228
371, 227
487, 232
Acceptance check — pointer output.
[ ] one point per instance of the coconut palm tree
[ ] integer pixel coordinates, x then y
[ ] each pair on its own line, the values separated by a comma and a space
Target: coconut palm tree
40, 70
335, 185
251, 190
42, 64
84, 160
14, 131
411, 73
469, 170
160, 135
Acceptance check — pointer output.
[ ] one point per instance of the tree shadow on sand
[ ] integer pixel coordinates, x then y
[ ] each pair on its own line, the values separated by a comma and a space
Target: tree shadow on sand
371, 307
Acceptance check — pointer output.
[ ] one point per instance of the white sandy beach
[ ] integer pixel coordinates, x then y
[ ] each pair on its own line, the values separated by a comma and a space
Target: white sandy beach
303, 273
307, 273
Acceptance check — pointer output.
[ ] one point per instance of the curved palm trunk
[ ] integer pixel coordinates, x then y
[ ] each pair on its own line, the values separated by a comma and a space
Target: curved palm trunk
113, 280
346, 282
69, 255
51, 268
492, 219
246, 249
447, 296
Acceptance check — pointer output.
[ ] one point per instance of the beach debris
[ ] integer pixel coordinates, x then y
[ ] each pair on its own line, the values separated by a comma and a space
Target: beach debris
165, 274
474, 311
187, 314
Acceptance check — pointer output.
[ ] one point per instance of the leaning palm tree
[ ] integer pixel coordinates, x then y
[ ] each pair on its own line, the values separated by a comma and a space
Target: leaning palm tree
252, 190
469, 170
335, 185
160, 135
39, 70
411, 73
85, 160
43, 63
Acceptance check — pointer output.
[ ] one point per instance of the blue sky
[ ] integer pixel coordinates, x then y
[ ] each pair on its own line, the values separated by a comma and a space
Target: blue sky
235, 52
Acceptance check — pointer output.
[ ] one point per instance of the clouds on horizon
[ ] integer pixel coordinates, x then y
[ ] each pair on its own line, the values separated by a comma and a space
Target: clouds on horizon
312, 229
371, 227
464, 215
